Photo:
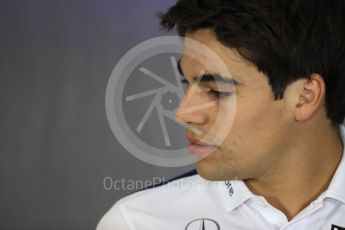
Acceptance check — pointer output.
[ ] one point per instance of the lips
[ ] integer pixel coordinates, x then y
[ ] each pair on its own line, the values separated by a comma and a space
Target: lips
199, 148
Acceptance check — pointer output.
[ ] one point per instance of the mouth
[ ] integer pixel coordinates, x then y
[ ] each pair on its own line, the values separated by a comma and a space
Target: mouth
199, 148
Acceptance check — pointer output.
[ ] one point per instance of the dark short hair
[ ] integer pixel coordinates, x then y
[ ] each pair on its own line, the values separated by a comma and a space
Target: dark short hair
286, 39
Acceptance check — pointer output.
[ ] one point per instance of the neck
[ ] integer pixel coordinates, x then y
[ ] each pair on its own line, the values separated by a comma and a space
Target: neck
303, 173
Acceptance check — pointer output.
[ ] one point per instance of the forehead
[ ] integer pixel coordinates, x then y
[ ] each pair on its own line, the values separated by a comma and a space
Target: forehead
193, 62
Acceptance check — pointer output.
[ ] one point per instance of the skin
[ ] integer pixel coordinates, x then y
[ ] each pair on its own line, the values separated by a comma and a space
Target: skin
279, 148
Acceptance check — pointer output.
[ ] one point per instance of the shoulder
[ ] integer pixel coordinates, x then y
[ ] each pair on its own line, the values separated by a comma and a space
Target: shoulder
113, 219
159, 197
152, 201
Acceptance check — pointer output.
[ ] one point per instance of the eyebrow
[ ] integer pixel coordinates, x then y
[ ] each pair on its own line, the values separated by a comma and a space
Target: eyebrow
209, 77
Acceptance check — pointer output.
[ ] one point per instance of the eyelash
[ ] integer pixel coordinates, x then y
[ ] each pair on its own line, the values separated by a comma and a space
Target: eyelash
184, 81
218, 94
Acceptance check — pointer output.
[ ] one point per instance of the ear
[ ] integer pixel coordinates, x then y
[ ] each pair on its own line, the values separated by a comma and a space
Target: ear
306, 97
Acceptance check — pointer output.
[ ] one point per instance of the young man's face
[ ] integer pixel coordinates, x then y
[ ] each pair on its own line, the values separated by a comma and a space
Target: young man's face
255, 144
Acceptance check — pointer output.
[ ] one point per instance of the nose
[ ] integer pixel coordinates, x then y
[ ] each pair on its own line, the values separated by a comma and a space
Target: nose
192, 108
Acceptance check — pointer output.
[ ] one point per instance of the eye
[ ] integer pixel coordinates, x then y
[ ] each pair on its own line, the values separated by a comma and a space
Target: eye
184, 81
218, 94
209, 91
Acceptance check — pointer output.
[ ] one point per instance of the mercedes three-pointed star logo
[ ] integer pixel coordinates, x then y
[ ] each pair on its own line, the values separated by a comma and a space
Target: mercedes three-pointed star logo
203, 224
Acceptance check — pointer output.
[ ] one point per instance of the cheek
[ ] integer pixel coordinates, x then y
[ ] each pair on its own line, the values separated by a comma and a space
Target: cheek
253, 127
220, 119
256, 113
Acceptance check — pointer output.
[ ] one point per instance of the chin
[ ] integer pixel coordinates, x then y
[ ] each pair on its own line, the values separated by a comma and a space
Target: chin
213, 173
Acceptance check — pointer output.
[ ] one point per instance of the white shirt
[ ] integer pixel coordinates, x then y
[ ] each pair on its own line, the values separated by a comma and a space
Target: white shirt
193, 203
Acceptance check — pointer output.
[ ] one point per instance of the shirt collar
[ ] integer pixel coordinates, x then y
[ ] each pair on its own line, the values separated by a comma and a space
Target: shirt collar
229, 194
336, 189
